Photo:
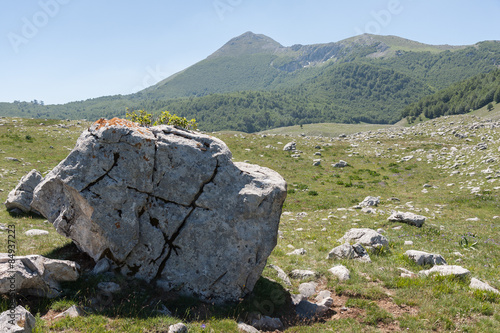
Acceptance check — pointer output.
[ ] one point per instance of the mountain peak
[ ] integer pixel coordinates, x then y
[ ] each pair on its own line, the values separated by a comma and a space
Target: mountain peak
247, 43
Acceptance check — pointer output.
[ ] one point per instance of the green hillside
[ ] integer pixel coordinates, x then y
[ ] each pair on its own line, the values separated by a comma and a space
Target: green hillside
462, 97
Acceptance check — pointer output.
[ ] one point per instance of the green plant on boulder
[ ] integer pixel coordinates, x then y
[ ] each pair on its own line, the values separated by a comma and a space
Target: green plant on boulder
165, 118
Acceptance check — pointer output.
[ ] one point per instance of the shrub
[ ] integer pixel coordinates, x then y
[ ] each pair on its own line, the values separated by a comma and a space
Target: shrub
165, 118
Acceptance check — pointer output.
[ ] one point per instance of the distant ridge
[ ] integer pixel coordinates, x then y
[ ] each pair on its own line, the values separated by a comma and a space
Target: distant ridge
253, 83
245, 44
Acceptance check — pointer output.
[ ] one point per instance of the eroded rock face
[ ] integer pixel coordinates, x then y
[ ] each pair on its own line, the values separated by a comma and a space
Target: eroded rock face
166, 205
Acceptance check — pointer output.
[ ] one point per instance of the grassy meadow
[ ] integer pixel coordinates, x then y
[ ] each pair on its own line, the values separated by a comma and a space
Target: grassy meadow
447, 179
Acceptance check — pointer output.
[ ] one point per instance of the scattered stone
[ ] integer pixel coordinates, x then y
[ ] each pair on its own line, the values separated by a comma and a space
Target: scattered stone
407, 273
316, 162
340, 164
290, 146
308, 288
72, 312
478, 284
36, 232
423, 258
369, 238
247, 328
302, 274
36, 275
12, 159
322, 295
18, 321
347, 251
409, 218
408, 243
178, 328
370, 201
22, 195
102, 266
165, 204
297, 252
266, 323
281, 274
341, 272
445, 270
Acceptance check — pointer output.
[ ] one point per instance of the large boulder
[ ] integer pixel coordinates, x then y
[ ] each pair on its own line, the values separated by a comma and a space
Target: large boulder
20, 197
166, 205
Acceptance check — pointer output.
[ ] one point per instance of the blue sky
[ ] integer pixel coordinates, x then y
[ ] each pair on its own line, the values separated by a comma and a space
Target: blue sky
59, 51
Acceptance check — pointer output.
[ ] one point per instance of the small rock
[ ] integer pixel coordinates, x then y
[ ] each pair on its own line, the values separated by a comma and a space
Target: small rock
370, 201
308, 289
409, 218
72, 312
302, 274
407, 273
247, 328
408, 242
367, 237
298, 252
8, 324
341, 272
444, 270
36, 232
178, 328
290, 146
478, 284
101, 266
423, 258
324, 294
281, 274
340, 164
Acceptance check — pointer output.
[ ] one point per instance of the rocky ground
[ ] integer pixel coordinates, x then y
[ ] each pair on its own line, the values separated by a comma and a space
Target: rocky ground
443, 174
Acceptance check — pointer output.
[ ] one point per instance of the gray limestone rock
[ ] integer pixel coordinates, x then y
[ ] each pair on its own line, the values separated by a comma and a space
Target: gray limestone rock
17, 320
407, 217
308, 288
424, 258
72, 312
35, 275
369, 238
370, 201
167, 205
281, 274
242, 327
22, 195
341, 272
444, 270
340, 164
347, 251
290, 146
478, 284
302, 273
178, 328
